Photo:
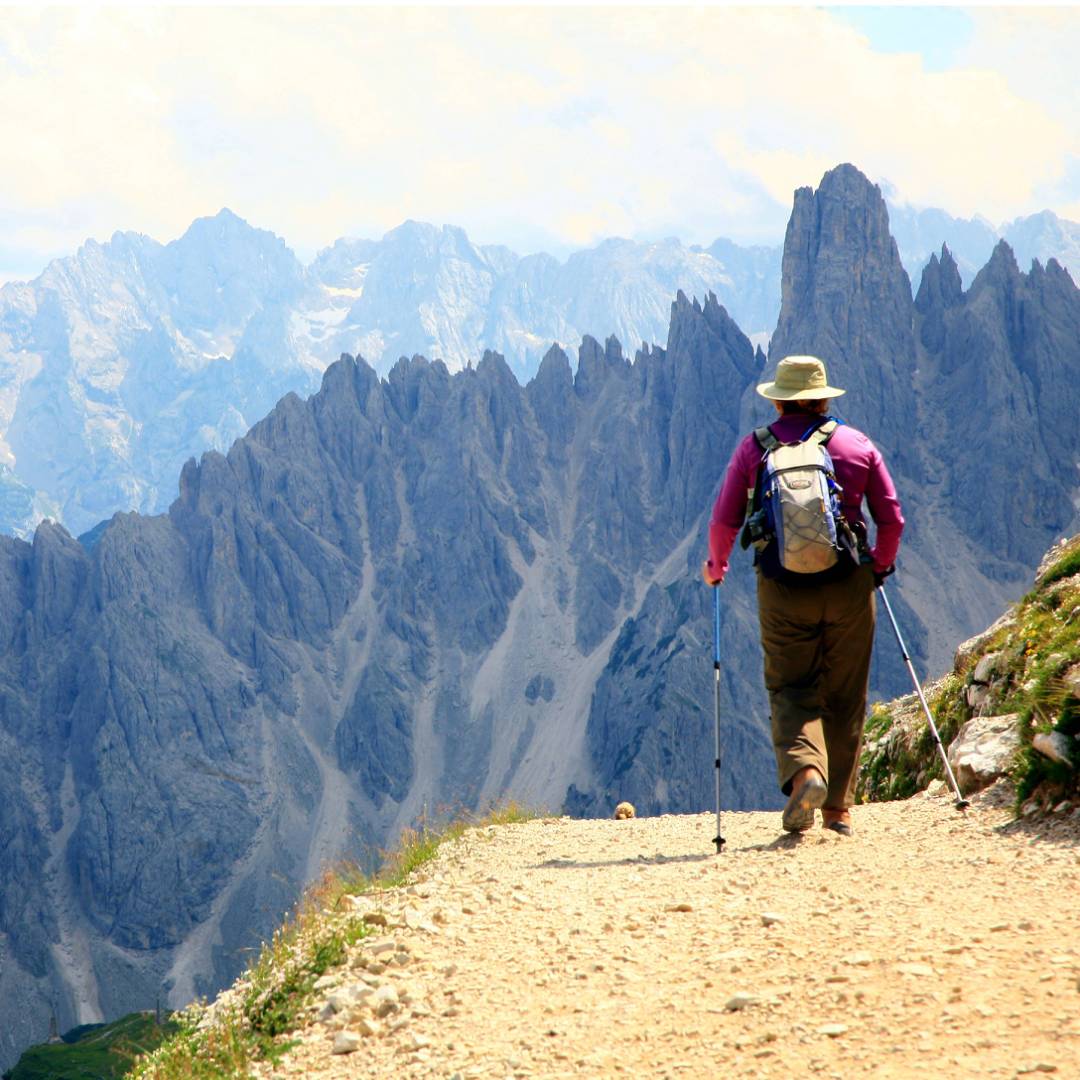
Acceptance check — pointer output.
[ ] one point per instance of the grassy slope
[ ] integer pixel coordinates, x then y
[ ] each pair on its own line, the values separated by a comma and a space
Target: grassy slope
1036, 643
104, 1051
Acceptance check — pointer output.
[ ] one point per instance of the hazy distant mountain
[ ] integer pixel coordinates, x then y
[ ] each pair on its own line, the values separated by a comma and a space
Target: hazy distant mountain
1044, 236
920, 234
118, 364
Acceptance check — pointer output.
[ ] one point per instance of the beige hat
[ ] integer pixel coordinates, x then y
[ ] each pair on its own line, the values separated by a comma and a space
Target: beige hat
799, 378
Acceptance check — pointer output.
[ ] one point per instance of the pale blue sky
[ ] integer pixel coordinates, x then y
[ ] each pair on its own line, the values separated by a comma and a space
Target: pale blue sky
541, 128
937, 34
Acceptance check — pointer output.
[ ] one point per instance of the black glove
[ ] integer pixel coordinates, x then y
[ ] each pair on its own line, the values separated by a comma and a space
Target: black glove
881, 575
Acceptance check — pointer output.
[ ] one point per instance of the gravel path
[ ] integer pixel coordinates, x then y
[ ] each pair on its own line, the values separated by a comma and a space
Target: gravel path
929, 940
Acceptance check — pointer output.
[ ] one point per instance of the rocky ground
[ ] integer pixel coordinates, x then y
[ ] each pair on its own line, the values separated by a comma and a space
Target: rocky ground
930, 940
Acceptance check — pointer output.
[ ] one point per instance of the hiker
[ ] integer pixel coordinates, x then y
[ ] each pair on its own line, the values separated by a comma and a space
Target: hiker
815, 595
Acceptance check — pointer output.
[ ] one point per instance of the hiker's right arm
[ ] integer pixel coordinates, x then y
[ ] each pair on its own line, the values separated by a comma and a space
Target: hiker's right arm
729, 510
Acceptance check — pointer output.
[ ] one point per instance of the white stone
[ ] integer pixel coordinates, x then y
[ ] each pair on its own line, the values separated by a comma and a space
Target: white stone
366, 1026
834, 1031
740, 1001
920, 970
966, 652
1072, 680
345, 1042
339, 1001
770, 918
1055, 745
384, 1001
859, 959
985, 667
983, 750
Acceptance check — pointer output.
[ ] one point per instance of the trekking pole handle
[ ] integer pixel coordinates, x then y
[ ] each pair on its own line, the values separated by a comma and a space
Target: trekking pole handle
716, 627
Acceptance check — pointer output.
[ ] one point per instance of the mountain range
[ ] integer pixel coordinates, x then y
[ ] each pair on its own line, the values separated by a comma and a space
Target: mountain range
119, 363
441, 587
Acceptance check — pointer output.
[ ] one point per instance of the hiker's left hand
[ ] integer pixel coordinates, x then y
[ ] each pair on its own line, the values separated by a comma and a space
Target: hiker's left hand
707, 574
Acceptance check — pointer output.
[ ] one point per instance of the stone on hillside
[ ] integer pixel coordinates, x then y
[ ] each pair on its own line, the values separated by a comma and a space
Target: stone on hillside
385, 1001
1072, 680
1055, 745
966, 652
986, 667
345, 1042
983, 750
738, 1002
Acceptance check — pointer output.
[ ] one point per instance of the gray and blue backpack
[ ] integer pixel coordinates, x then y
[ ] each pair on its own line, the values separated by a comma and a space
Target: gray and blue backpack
795, 523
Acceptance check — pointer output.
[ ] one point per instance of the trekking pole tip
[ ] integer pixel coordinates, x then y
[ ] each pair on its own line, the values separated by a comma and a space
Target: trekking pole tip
962, 804
719, 842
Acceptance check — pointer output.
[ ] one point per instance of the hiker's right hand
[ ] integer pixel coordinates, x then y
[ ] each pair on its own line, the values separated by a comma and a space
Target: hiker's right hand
881, 575
707, 574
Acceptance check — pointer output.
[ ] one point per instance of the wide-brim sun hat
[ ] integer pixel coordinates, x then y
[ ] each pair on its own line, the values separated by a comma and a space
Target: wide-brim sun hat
799, 378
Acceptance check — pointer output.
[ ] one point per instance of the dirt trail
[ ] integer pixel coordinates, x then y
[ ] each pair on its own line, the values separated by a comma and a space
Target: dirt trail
929, 941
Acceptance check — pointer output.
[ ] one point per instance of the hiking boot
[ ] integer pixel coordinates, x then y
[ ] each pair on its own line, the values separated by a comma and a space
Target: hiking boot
837, 820
808, 791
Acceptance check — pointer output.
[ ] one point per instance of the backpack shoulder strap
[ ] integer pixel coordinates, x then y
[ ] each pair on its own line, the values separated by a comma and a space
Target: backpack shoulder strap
824, 433
766, 439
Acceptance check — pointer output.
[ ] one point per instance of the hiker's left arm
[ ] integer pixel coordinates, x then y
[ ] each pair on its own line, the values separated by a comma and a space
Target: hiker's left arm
884, 507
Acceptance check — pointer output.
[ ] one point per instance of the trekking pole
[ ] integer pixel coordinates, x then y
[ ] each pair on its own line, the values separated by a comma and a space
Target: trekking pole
961, 802
719, 841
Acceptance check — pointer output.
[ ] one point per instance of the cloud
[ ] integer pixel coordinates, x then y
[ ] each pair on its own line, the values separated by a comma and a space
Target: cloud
531, 126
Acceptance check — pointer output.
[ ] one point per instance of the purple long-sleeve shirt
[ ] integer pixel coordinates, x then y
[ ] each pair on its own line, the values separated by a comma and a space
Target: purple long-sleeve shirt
860, 471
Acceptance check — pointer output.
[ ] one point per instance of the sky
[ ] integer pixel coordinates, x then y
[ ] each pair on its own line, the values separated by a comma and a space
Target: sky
542, 128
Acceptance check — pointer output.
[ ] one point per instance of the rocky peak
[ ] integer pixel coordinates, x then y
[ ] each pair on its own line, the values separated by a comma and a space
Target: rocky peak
550, 394
596, 364
1001, 272
940, 286
939, 290
847, 299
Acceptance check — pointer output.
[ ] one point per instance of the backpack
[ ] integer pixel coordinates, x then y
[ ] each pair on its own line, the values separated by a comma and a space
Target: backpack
795, 522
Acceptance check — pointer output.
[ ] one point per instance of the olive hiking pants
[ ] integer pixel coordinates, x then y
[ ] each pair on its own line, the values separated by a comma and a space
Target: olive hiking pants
817, 642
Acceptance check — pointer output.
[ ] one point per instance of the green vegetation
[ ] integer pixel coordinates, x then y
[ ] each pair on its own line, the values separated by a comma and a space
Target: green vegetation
1034, 675
252, 1021
94, 1052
